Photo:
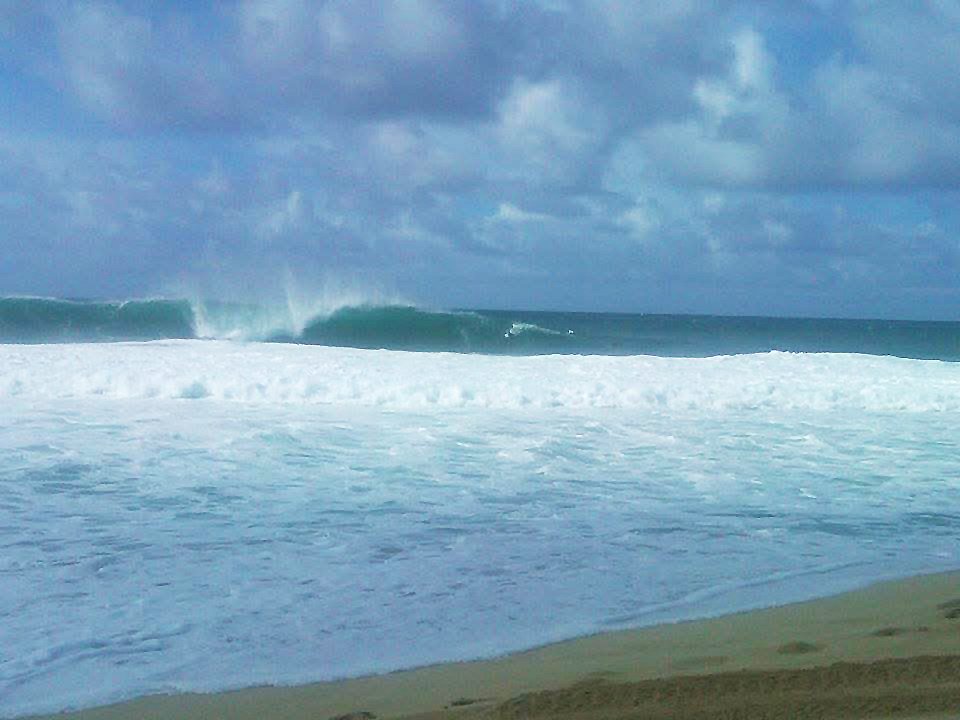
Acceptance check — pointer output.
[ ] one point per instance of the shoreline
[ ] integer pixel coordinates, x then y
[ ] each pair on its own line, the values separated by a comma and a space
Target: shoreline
873, 643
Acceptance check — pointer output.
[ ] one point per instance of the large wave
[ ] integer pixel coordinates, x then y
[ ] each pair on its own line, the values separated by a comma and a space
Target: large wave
398, 327
41, 320
410, 328
353, 321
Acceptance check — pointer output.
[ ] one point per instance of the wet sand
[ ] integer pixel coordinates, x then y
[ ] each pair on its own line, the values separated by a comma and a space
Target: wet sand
889, 651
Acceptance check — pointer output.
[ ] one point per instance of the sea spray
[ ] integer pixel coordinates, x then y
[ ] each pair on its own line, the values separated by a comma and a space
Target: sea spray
353, 319
327, 319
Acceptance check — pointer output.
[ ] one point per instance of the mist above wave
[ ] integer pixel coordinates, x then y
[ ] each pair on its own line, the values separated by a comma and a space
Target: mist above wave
349, 322
368, 321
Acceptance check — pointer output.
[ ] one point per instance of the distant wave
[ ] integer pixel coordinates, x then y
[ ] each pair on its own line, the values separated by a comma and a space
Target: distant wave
354, 322
397, 327
42, 320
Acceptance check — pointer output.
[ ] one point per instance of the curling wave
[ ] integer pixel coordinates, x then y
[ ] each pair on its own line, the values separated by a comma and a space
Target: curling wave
410, 328
492, 332
397, 327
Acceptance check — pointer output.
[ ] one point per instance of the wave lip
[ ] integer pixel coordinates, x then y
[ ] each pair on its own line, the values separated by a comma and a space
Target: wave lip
392, 327
353, 322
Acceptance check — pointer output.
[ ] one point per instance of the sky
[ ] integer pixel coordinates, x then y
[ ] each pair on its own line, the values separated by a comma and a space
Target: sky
778, 158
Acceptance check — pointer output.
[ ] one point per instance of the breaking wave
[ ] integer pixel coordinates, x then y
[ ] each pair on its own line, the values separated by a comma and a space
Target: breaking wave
354, 322
397, 327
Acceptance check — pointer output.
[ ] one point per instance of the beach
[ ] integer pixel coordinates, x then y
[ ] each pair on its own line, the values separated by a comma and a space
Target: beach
889, 650
425, 360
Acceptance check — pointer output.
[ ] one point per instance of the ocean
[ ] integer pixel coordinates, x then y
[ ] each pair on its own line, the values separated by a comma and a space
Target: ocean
200, 496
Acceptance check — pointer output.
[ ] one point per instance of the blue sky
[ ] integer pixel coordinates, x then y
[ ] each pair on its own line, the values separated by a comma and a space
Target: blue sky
797, 158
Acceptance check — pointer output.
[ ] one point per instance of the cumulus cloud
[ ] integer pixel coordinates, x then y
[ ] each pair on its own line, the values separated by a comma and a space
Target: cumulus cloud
628, 153
143, 71
553, 133
876, 113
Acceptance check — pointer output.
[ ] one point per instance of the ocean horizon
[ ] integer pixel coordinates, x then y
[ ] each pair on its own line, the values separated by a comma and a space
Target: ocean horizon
274, 405
403, 326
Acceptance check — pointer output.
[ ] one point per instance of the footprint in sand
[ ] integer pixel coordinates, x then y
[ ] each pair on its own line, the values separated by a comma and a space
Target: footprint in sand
700, 662
951, 609
894, 631
600, 676
889, 632
464, 701
798, 648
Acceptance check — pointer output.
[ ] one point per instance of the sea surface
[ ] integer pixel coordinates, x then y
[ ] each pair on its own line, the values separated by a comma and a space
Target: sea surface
199, 496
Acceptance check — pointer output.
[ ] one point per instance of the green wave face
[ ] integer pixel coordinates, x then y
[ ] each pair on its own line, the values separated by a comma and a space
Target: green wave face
396, 327
44, 320
410, 328
401, 327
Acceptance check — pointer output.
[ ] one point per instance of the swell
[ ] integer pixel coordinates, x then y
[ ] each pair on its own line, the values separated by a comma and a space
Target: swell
49, 320
396, 327
409, 328
405, 327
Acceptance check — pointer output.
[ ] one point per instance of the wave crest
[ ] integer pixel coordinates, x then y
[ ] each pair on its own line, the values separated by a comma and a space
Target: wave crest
396, 327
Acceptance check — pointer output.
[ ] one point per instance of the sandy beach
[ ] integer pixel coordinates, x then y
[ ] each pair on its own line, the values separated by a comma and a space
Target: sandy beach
890, 650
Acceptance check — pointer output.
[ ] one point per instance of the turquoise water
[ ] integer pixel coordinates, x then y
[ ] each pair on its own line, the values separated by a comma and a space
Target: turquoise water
253, 494
399, 327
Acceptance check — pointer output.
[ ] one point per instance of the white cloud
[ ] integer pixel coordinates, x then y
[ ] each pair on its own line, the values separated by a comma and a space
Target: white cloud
651, 139
713, 202
740, 112
751, 62
640, 220
548, 127
421, 29
852, 122
689, 152
287, 215
137, 71
510, 213
215, 183
103, 46
632, 27
777, 231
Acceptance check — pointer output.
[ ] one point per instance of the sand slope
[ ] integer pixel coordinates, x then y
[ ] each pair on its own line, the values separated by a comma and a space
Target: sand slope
891, 650
885, 688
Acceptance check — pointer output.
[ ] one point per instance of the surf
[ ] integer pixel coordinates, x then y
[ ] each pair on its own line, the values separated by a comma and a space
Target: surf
370, 326
365, 321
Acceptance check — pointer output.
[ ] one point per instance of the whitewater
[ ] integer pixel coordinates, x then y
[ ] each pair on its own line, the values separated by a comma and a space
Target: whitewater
189, 514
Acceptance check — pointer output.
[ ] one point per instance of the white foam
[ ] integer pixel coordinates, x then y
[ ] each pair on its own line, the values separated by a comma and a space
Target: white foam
294, 374
200, 515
